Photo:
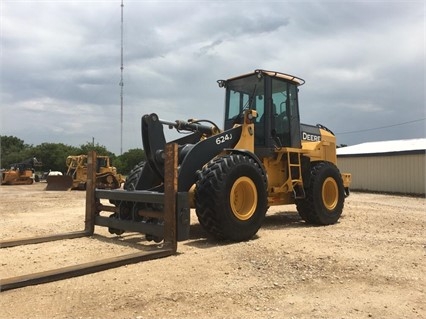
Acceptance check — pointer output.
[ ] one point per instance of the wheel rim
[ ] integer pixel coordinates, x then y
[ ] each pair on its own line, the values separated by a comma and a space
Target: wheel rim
330, 193
243, 198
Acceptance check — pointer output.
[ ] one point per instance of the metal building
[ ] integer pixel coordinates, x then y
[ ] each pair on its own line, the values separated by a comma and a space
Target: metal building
389, 166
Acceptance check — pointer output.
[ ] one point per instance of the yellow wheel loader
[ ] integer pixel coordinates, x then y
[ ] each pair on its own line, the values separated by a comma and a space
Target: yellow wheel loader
20, 173
262, 157
76, 176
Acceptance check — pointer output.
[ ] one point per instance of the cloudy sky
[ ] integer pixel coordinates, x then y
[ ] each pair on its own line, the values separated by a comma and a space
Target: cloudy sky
363, 62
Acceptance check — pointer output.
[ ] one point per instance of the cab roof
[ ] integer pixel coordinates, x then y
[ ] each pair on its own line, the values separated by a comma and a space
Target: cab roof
288, 77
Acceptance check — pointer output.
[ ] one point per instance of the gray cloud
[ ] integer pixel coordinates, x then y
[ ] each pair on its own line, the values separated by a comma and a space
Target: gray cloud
60, 64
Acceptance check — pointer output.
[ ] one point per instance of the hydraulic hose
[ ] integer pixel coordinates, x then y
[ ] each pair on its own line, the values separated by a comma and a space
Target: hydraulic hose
190, 126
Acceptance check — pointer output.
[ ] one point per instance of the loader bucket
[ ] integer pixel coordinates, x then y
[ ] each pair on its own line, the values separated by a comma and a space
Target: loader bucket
59, 183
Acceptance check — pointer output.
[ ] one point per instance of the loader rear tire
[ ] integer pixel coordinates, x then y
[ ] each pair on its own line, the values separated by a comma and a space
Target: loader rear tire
325, 195
231, 197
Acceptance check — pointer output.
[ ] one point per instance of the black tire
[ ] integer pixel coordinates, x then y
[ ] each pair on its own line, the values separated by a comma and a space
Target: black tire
133, 178
129, 184
325, 195
231, 197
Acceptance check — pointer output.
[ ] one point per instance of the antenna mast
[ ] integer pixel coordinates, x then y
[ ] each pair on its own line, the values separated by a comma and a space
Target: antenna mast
121, 83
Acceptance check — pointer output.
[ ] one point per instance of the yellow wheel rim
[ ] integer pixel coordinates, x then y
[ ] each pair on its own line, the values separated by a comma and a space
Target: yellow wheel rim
243, 198
330, 193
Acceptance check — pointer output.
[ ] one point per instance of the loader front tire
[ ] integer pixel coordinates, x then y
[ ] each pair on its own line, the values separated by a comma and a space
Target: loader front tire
231, 197
133, 178
325, 195
129, 185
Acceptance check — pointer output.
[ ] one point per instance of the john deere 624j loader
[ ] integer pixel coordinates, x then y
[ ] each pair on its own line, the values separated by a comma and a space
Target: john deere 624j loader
262, 157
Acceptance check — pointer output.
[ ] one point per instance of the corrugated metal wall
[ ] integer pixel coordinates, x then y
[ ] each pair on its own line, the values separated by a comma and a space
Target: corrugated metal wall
388, 173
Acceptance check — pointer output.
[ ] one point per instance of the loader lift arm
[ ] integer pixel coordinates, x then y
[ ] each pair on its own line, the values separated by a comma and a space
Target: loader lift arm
194, 149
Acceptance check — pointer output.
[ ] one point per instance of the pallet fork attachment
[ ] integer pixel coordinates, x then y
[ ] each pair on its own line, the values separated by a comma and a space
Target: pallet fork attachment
174, 203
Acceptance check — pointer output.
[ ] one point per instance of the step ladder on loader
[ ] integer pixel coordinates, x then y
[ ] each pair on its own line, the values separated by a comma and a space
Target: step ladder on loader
295, 174
175, 204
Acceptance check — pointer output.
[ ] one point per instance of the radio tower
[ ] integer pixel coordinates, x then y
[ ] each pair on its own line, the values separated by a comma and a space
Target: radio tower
121, 83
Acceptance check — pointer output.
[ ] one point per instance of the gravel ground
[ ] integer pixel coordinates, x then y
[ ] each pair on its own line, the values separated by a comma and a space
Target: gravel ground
371, 264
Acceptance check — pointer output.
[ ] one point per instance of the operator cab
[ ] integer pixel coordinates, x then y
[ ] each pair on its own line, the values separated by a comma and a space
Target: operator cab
274, 97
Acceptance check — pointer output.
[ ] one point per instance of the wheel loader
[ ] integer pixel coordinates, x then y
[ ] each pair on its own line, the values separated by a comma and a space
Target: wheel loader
262, 157
20, 173
76, 175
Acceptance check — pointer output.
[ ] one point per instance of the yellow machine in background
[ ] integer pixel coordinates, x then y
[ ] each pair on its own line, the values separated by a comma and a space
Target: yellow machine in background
76, 176
20, 173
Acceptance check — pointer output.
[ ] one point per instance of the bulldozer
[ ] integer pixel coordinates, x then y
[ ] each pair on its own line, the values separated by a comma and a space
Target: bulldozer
76, 175
20, 173
264, 156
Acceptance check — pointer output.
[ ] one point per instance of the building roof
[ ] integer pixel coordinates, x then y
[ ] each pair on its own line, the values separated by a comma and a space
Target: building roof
395, 146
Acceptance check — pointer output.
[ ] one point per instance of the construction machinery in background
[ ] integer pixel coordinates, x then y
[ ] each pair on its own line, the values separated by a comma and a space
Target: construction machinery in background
20, 173
263, 157
76, 175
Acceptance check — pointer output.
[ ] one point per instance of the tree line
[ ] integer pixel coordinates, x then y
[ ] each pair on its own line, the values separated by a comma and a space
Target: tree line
53, 155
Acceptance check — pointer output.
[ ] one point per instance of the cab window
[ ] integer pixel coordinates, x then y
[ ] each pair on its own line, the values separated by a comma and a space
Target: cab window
242, 94
280, 112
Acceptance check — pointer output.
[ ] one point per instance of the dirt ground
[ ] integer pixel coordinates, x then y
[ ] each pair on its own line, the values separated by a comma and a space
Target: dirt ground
369, 265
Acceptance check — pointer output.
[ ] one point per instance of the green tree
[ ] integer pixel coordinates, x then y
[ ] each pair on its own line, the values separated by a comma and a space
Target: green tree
54, 155
11, 144
129, 159
99, 149
13, 150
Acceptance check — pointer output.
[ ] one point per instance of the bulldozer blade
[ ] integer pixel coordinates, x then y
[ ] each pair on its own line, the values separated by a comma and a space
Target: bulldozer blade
59, 183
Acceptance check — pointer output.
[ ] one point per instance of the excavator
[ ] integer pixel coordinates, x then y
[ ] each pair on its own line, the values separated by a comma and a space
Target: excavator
20, 173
